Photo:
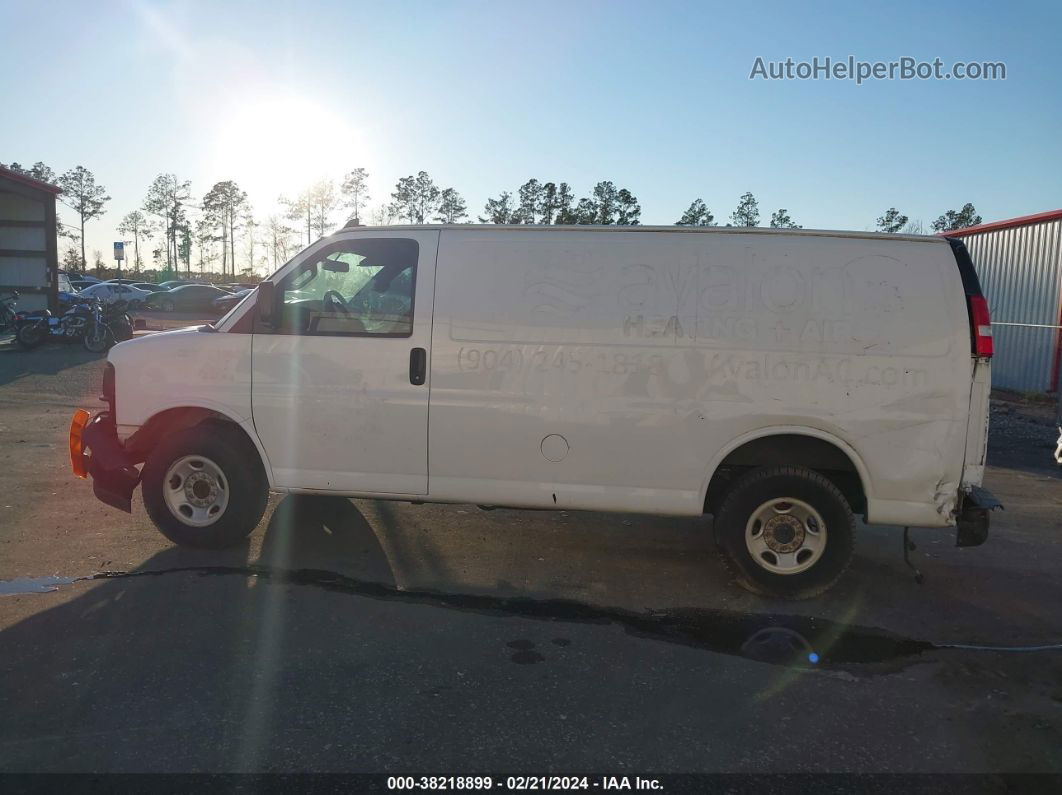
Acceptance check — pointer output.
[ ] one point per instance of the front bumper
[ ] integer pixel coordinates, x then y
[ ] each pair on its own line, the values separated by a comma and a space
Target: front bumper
96, 452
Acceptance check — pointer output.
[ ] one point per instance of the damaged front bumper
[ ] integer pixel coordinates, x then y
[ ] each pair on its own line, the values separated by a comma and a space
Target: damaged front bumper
96, 452
972, 520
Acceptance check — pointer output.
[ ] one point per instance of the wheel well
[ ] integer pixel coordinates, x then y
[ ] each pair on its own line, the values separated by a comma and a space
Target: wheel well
170, 421
791, 449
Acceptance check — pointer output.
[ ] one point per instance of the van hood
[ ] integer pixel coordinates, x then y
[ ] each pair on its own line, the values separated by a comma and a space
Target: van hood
139, 345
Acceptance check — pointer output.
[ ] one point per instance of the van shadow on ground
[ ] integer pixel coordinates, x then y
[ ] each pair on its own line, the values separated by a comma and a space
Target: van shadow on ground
323, 533
177, 659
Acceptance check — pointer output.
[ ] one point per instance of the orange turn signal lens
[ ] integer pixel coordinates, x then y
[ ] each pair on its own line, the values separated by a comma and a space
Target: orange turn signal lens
77, 448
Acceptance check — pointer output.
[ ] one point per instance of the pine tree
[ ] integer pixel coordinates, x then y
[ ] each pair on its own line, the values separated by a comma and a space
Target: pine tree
452, 207
498, 211
747, 212
224, 206
892, 221
697, 214
961, 219
780, 220
356, 190
82, 195
530, 207
167, 198
135, 223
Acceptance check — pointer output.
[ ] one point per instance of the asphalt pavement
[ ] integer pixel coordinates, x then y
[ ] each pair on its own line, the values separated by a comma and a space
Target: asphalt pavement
361, 636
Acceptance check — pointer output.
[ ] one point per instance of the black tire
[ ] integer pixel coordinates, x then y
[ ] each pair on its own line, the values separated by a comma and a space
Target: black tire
241, 467
7, 320
97, 339
757, 488
122, 329
29, 336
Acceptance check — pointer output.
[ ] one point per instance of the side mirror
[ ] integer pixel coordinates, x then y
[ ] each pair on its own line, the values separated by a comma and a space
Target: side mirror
266, 303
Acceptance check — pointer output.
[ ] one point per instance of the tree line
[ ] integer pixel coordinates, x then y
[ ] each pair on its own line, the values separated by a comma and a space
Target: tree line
893, 221
173, 227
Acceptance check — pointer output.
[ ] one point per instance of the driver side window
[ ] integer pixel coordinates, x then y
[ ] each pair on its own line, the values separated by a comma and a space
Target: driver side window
352, 288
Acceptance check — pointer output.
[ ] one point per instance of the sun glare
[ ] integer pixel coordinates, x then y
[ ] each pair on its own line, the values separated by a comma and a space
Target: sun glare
280, 144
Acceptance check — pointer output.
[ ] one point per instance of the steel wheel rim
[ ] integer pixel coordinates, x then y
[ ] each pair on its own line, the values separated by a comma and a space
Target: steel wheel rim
785, 536
196, 491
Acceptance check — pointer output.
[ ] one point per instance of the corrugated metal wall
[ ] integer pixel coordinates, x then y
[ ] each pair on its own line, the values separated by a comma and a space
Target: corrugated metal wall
23, 249
1021, 274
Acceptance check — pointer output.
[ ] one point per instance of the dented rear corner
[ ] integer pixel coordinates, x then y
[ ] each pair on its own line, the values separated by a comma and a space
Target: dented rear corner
975, 503
973, 470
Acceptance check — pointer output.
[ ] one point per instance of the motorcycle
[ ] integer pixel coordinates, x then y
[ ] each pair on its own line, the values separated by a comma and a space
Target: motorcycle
33, 328
8, 316
109, 324
98, 326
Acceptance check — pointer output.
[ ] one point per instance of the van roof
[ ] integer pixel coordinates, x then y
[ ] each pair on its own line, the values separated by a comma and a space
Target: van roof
739, 230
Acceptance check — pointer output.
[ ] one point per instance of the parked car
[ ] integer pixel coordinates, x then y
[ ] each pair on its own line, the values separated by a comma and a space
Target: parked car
81, 277
781, 380
149, 286
108, 293
67, 299
176, 283
237, 286
120, 281
223, 303
81, 284
186, 298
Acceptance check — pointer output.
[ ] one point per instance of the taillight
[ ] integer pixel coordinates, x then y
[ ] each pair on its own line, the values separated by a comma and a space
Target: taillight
982, 325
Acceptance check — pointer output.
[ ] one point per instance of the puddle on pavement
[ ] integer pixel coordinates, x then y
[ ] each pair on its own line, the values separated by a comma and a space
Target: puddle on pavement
21, 585
788, 640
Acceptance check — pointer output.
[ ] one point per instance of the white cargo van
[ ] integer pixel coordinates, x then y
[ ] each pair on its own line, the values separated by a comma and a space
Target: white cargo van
779, 380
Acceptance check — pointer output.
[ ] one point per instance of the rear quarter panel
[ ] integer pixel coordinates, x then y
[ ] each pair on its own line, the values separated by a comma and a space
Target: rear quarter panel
653, 353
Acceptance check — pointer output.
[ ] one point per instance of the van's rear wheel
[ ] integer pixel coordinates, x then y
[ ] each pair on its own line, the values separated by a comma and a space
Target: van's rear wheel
786, 532
204, 487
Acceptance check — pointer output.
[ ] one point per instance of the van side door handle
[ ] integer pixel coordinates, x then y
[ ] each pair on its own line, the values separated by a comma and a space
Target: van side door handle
418, 363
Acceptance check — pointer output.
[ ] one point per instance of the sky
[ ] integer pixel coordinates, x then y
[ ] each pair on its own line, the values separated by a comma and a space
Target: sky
655, 96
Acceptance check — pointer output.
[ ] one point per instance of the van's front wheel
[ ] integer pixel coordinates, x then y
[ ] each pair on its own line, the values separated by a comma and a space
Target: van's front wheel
199, 489
786, 532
